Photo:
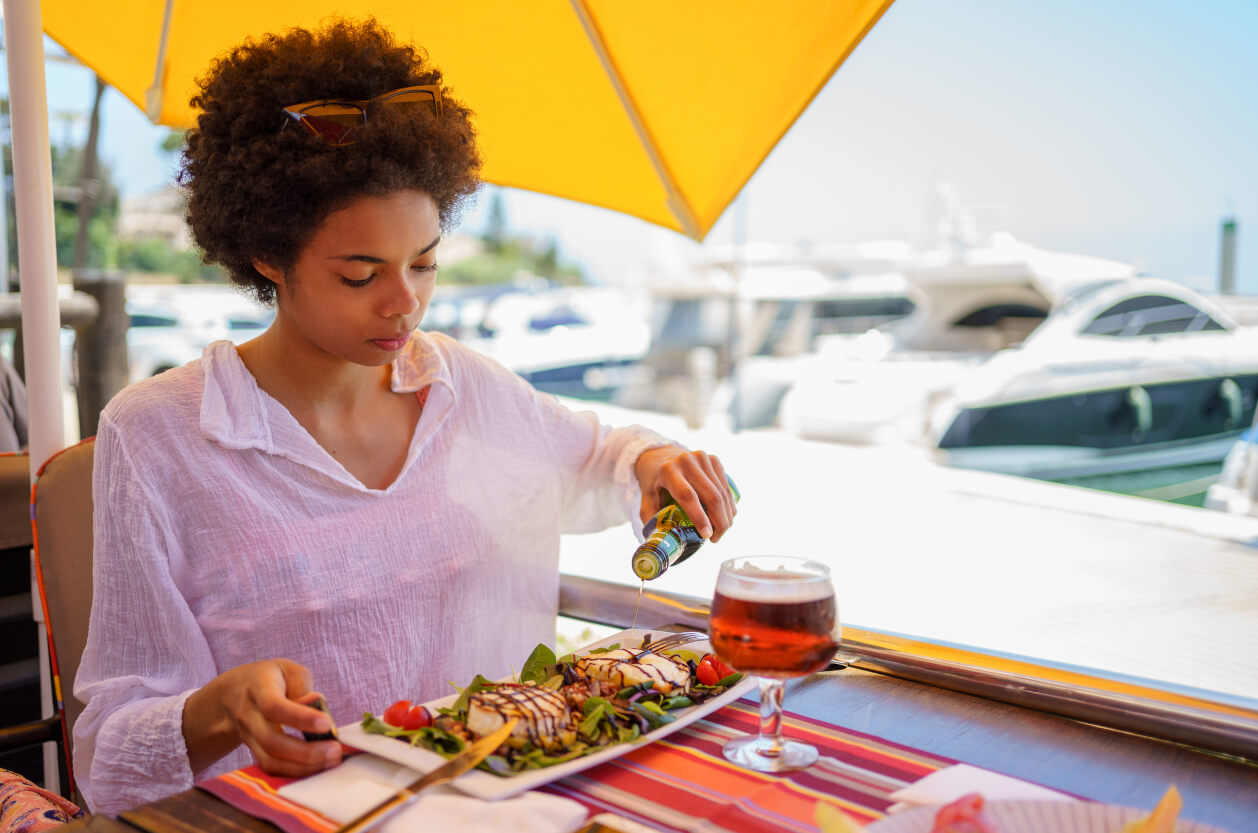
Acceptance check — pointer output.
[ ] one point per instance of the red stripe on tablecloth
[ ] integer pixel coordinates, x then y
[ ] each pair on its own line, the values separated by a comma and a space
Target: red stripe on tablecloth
253, 791
866, 783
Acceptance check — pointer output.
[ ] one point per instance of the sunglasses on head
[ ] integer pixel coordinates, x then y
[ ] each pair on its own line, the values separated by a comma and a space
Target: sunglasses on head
334, 119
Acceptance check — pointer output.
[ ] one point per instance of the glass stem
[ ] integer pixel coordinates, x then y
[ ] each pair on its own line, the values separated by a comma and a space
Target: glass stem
771, 692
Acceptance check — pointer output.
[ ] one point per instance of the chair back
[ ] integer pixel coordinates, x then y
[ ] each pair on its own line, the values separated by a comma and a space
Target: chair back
15, 501
62, 516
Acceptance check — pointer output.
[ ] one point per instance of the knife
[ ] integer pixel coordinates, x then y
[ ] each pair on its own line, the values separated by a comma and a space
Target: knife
451, 769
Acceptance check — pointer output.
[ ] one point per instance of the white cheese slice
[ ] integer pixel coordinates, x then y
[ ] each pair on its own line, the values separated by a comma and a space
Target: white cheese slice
630, 666
543, 715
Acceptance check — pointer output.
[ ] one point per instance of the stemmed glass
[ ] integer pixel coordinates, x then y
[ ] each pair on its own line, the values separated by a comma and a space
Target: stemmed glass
774, 617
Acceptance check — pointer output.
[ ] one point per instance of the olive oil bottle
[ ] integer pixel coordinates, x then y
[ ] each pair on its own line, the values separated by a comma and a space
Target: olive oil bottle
671, 538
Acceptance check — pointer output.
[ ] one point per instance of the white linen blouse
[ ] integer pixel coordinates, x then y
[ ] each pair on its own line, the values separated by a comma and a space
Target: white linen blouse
224, 534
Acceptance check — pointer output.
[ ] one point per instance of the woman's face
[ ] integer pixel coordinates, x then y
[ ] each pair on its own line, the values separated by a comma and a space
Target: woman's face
362, 284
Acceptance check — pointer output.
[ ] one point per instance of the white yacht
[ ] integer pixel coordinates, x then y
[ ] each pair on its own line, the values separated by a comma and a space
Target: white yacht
582, 341
969, 303
1140, 386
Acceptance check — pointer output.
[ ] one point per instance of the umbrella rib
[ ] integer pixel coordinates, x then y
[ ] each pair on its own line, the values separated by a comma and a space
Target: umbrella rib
676, 200
154, 95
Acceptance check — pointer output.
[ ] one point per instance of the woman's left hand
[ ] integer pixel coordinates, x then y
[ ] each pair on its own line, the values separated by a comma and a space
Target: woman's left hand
694, 479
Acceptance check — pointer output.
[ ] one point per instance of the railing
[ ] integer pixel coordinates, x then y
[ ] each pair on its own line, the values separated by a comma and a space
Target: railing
1201, 719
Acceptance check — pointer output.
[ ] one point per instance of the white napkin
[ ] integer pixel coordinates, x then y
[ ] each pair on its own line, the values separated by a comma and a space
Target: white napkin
363, 781
950, 783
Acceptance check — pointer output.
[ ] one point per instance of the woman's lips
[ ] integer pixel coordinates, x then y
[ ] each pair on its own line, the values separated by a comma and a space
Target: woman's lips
392, 343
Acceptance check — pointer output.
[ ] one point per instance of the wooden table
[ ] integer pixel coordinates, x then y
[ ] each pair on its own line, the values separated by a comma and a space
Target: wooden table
1086, 760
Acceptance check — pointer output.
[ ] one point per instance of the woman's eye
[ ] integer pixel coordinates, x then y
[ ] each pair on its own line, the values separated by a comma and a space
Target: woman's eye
363, 282
429, 267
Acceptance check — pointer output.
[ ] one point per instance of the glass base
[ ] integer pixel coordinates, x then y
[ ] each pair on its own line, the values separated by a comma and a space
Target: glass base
758, 753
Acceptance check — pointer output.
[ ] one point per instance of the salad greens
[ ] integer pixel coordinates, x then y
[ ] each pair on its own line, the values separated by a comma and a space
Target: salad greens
600, 721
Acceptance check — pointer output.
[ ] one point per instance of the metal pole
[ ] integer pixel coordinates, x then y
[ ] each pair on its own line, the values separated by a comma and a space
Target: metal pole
37, 264
1227, 257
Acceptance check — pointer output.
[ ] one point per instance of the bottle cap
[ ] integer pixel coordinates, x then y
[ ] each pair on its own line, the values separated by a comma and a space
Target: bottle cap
649, 562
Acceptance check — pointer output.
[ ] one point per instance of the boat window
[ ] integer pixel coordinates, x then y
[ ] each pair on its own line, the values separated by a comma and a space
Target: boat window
245, 324
145, 320
858, 315
1179, 323
1150, 315
993, 315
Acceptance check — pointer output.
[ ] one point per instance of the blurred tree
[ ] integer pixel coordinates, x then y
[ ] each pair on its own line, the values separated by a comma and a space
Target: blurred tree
101, 241
548, 260
173, 141
508, 258
88, 183
495, 237
158, 256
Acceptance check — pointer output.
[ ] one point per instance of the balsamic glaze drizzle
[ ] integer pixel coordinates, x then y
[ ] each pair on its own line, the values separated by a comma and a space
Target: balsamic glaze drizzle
543, 713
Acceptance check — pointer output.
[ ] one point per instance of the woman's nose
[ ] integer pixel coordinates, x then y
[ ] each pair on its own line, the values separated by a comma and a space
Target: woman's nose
399, 298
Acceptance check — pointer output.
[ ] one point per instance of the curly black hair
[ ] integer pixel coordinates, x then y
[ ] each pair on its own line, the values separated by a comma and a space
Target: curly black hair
259, 184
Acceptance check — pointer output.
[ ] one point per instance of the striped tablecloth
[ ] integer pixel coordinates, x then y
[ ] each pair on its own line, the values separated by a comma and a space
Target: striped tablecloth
682, 783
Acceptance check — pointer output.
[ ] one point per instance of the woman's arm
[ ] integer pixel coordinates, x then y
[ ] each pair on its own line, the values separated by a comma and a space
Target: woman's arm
157, 710
611, 474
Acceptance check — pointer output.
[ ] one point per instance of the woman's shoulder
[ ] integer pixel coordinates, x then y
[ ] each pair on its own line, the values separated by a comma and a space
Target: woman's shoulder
457, 358
161, 400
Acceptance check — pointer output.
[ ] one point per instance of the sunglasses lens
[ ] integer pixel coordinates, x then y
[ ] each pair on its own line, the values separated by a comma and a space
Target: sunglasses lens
332, 122
409, 99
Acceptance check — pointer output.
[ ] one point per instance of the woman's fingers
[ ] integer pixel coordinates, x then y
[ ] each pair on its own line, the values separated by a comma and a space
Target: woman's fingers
696, 480
278, 696
282, 754
723, 502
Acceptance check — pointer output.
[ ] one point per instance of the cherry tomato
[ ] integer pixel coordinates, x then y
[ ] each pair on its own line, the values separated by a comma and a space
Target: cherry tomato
706, 673
722, 670
395, 714
417, 718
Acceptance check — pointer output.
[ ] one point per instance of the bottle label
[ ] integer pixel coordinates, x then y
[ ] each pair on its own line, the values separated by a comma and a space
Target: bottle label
671, 515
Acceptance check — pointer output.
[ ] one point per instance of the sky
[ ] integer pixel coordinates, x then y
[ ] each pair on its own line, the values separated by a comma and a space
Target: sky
1123, 129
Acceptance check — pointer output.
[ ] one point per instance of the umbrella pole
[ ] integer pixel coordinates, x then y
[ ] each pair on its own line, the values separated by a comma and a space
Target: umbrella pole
37, 265
37, 250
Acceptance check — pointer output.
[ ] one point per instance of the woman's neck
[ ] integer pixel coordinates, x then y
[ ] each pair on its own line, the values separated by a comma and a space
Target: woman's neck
304, 378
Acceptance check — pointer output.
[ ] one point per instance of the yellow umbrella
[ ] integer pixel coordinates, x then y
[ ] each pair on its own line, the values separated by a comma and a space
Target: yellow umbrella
661, 109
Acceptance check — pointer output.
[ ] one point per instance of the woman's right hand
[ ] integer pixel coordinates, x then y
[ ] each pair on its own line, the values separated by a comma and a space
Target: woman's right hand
251, 704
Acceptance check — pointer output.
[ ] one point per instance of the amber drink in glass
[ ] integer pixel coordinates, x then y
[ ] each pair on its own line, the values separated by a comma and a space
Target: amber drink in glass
774, 617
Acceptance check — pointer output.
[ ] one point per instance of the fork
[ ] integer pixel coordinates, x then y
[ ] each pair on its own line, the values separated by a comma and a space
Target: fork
673, 640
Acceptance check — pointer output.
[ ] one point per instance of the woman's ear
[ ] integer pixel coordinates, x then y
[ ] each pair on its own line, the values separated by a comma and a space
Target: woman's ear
275, 276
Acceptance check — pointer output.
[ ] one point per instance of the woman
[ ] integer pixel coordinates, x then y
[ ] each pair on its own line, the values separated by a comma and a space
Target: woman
344, 503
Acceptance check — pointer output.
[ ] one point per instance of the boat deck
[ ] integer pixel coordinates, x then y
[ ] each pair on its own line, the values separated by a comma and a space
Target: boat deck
1060, 573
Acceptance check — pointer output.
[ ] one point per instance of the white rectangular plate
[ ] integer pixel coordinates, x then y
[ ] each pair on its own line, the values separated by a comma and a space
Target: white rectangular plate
485, 785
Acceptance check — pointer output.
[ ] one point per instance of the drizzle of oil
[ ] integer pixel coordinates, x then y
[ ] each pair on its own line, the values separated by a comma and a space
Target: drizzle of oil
638, 604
